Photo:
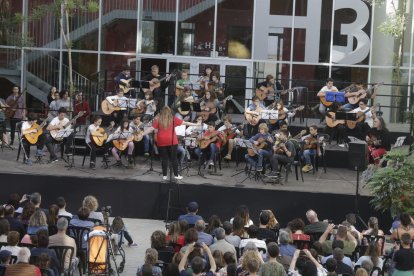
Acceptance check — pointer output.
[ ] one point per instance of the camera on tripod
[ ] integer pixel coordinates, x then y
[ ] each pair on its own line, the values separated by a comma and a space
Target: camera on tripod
107, 209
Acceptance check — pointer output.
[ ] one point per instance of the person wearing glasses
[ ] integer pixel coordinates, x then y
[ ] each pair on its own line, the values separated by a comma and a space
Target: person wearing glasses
362, 128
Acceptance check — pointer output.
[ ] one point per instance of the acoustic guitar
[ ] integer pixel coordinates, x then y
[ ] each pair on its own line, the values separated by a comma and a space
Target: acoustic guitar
122, 144
33, 137
101, 135
211, 110
361, 95
205, 141
11, 109
331, 121
108, 108
229, 133
66, 127
156, 83
125, 85
310, 143
283, 116
263, 92
254, 150
360, 117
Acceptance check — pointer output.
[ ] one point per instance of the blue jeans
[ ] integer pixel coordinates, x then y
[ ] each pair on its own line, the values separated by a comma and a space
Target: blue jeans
212, 149
146, 141
307, 154
349, 107
180, 153
260, 156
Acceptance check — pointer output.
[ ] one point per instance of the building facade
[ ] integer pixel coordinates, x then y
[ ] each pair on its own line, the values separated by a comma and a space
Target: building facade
301, 42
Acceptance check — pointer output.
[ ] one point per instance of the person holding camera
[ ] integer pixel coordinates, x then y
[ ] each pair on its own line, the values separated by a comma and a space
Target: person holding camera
344, 234
197, 263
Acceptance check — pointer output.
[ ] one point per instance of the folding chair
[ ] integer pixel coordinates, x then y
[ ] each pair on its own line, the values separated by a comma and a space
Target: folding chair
61, 253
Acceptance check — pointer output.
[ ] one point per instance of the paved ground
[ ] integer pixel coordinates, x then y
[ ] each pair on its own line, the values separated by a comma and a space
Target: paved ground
337, 181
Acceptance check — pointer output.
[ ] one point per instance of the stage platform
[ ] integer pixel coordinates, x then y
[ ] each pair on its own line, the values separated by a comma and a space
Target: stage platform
137, 194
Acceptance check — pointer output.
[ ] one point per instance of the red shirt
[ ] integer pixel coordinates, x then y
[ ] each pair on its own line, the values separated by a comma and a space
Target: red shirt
164, 135
219, 136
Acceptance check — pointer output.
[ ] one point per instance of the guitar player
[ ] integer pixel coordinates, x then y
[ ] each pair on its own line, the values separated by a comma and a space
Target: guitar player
26, 129
17, 110
159, 92
123, 78
57, 123
328, 87
360, 92
216, 139
362, 128
270, 82
119, 100
262, 137
311, 147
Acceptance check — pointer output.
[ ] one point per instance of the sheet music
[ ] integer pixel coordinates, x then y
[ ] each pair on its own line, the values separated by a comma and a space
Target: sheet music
119, 135
243, 143
63, 133
180, 130
269, 114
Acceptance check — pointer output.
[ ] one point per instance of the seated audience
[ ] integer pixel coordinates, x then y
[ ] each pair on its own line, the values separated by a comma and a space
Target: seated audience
15, 224
314, 226
42, 247
230, 237
404, 256
251, 262
61, 203
238, 227
341, 268
22, 267
272, 267
342, 234
229, 259
82, 219
297, 226
372, 255
338, 244
92, 204
38, 221
12, 241
221, 244
174, 236
197, 263
243, 212
200, 226
285, 246
252, 231
214, 222
406, 226
159, 241
191, 217
273, 224
303, 263
264, 233
151, 258
5, 256
4, 229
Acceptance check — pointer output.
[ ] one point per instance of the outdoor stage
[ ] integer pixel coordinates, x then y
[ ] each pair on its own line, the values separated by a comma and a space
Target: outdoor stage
134, 194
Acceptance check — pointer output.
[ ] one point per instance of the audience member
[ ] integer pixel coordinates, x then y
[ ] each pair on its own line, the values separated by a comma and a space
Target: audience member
15, 224
214, 222
404, 256
243, 212
61, 203
13, 239
174, 236
251, 262
264, 233
82, 219
252, 231
230, 237
314, 226
238, 227
221, 244
372, 255
301, 265
151, 258
285, 248
38, 221
159, 241
273, 224
4, 229
272, 267
338, 244
203, 237
44, 265
341, 268
342, 234
27, 212
191, 217
297, 226
229, 259
61, 239
373, 228
361, 272
22, 267
92, 204
36, 200
5, 256
406, 226
218, 258
197, 263
42, 247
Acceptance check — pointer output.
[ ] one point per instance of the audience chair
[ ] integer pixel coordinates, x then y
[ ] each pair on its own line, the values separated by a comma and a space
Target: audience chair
28, 245
13, 259
61, 252
87, 152
79, 234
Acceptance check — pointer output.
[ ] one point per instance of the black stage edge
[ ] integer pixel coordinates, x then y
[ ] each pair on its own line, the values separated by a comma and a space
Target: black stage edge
148, 200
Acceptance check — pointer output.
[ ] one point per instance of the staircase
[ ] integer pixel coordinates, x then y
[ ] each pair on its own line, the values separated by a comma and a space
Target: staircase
43, 69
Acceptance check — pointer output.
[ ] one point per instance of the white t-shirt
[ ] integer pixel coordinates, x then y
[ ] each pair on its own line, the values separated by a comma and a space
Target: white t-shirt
332, 89
368, 115
25, 126
192, 129
92, 128
122, 101
223, 128
55, 121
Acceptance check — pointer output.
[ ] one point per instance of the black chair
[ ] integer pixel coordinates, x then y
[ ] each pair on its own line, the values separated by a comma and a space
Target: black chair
28, 245
61, 253
34, 260
95, 221
3, 244
66, 217
79, 234
2, 270
237, 252
46, 272
366, 239
52, 230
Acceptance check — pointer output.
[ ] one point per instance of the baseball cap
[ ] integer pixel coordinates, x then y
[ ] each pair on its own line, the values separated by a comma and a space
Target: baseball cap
192, 206
4, 255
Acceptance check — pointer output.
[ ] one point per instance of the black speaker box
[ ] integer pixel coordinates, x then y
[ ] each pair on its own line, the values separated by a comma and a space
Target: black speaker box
358, 155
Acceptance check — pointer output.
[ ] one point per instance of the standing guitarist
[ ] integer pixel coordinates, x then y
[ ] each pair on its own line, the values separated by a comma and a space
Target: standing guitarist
58, 123
27, 127
16, 111
122, 80
321, 94
215, 138
158, 93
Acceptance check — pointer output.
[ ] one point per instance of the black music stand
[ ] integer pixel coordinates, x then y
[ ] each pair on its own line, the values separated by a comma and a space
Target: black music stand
65, 133
151, 157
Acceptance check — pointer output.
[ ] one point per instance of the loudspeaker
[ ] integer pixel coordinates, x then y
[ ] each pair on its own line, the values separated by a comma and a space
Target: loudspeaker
358, 155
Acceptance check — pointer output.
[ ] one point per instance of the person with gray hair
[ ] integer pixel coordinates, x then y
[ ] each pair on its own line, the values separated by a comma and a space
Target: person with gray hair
285, 246
315, 225
200, 226
61, 239
22, 267
221, 244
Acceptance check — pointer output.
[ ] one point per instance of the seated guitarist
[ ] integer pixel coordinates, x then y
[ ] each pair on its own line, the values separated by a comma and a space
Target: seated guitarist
26, 129
362, 128
264, 140
137, 126
123, 78
269, 83
208, 104
359, 91
328, 87
283, 151
311, 147
119, 100
124, 132
57, 123
93, 130
230, 134
378, 139
254, 109
158, 93
215, 144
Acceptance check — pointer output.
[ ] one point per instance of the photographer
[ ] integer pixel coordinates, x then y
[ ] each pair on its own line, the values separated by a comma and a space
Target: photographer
344, 234
300, 264
197, 263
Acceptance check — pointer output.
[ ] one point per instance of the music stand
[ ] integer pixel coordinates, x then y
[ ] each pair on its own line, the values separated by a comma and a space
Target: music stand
196, 107
65, 133
338, 97
185, 106
151, 168
241, 143
348, 116
269, 114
